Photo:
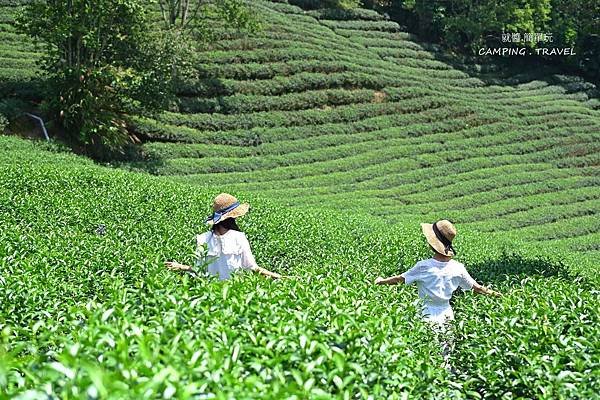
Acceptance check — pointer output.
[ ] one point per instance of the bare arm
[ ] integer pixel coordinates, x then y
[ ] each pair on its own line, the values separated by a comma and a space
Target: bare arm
175, 266
392, 280
266, 272
249, 262
477, 288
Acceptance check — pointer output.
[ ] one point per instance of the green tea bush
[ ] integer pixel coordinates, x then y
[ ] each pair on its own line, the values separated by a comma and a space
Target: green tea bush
335, 156
505, 358
114, 282
388, 26
339, 14
93, 313
239, 104
300, 82
249, 137
346, 113
274, 114
250, 71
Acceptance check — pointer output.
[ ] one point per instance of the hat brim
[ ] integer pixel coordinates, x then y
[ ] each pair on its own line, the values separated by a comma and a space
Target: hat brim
239, 211
434, 241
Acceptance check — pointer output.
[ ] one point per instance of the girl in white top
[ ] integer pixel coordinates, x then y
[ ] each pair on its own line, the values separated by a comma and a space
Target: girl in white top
438, 277
227, 248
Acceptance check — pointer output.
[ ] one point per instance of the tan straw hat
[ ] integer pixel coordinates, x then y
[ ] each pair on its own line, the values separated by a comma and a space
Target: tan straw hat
226, 206
440, 235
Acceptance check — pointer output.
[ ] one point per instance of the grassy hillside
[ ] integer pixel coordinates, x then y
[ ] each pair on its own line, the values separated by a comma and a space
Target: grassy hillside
344, 111
350, 124
91, 315
19, 57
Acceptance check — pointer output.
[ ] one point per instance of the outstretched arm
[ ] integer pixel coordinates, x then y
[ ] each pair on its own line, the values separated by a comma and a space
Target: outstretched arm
249, 262
266, 272
392, 280
175, 266
484, 290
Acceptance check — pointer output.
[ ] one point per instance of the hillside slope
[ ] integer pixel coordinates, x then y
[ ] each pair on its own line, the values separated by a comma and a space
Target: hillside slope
19, 57
356, 115
346, 112
92, 313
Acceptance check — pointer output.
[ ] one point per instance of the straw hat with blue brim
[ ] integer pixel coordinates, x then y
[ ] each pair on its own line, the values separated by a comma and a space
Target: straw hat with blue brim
226, 206
440, 235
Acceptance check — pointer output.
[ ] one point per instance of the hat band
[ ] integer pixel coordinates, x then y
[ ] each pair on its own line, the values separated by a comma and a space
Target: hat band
216, 216
447, 244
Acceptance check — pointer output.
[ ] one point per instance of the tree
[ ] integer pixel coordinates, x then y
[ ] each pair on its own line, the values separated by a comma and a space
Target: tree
192, 14
179, 12
102, 63
467, 25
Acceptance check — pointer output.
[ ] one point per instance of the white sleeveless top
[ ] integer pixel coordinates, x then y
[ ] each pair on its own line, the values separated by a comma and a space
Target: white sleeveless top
437, 281
225, 253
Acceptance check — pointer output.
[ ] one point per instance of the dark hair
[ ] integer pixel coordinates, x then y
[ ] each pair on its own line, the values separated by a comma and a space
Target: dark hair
228, 223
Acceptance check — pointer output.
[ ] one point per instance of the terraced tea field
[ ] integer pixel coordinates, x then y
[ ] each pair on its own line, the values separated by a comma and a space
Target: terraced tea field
356, 115
343, 132
19, 57
95, 315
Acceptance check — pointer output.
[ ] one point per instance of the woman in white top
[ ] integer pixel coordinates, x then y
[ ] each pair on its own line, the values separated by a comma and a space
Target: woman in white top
228, 249
438, 277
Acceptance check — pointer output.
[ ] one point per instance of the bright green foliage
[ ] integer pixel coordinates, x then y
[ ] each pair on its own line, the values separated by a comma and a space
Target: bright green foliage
102, 62
329, 122
92, 314
340, 109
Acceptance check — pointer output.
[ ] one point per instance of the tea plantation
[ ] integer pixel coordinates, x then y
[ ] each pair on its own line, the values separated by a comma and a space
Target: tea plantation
91, 312
344, 133
344, 110
19, 57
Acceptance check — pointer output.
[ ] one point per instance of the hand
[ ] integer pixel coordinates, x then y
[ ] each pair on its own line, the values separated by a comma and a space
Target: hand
491, 292
175, 266
379, 280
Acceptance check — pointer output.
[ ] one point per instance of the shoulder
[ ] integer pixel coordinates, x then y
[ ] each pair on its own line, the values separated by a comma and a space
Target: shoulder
457, 266
235, 238
237, 235
419, 267
424, 263
241, 238
202, 238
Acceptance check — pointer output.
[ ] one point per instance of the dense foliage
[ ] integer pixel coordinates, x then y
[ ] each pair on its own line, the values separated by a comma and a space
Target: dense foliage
101, 62
469, 25
327, 4
87, 310
105, 60
344, 133
340, 109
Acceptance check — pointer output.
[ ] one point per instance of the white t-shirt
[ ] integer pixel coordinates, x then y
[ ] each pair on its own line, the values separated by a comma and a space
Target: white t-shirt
437, 281
226, 253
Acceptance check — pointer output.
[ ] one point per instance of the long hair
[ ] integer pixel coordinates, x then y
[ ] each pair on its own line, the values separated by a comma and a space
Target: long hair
229, 223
